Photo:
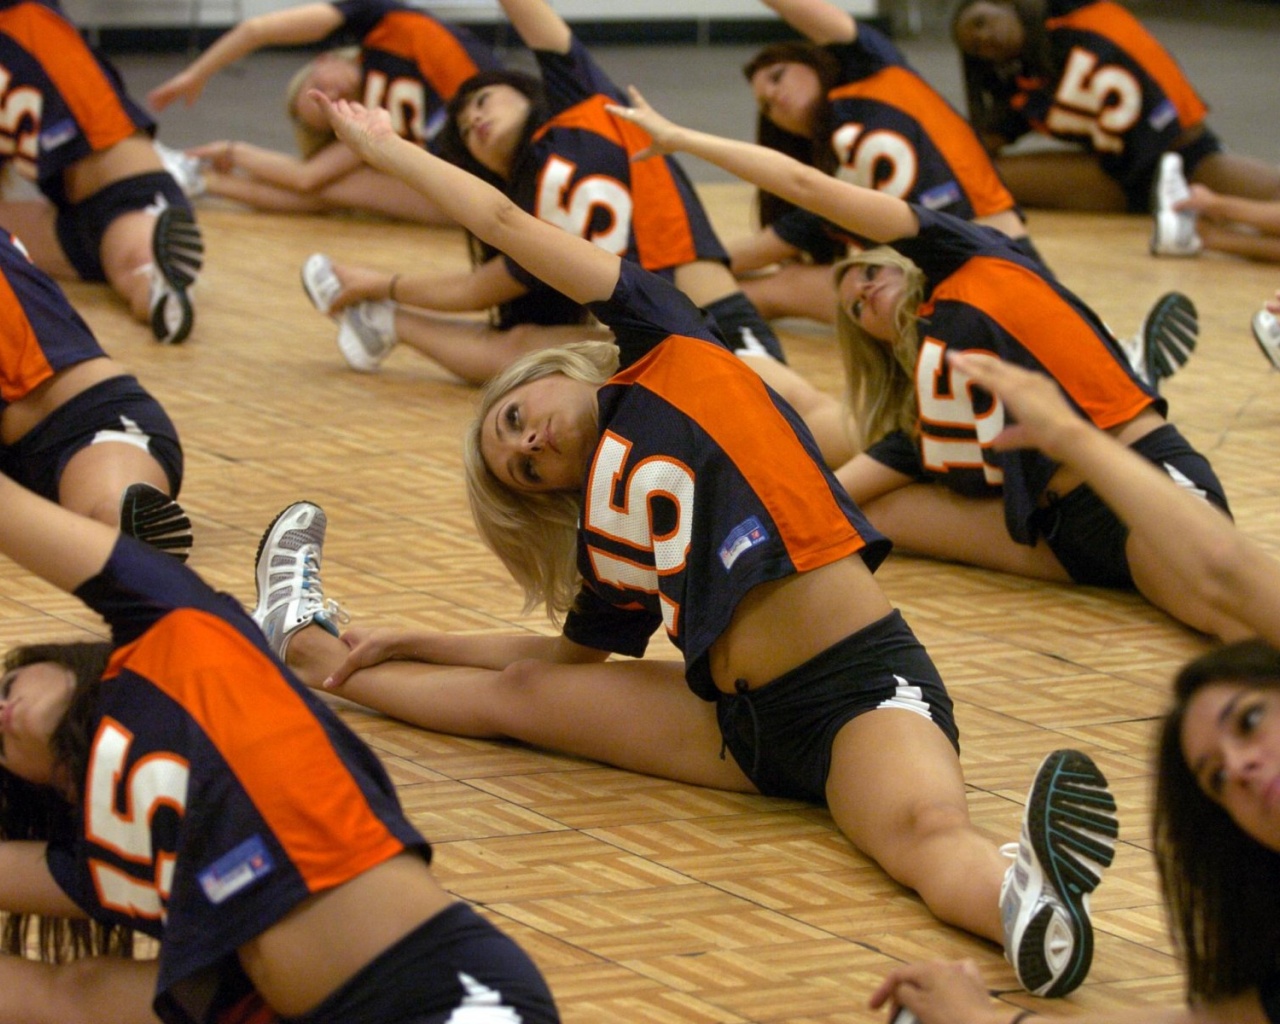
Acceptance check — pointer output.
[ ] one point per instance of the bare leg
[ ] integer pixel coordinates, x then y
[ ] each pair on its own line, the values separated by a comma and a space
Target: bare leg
96, 477
636, 715
475, 351
916, 824
1061, 181
1239, 241
126, 250
927, 519
1237, 175
795, 289
94, 990
364, 191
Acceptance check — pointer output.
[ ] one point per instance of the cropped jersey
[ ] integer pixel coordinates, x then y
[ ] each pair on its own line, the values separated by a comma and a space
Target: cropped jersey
892, 131
62, 100
579, 176
984, 295
40, 333
703, 485
412, 63
1118, 93
219, 791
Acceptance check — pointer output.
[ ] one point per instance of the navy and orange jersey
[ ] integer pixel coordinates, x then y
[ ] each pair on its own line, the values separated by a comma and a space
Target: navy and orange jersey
40, 332
703, 485
62, 100
982, 294
892, 131
219, 791
579, 176
1117, 92
412, 64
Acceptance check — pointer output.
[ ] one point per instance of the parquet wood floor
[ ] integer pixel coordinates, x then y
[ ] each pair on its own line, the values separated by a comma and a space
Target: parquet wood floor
645, 901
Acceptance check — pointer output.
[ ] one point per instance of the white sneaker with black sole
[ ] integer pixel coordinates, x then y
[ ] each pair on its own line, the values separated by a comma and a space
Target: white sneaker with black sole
1069, 830
290, 595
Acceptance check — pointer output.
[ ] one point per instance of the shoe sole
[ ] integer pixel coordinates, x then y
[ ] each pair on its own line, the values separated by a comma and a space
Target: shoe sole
154, 518
178, 252
1169, 335
262, 578
1068, 809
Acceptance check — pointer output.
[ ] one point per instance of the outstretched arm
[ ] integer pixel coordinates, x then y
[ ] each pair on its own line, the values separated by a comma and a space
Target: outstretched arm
866, 212
817, 20
59, 546
571, 265
1199, 545
538, 25
294, 26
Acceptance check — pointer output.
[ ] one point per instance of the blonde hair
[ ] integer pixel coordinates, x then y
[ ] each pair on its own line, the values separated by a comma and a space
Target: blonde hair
311, 140
881, 376
534, 534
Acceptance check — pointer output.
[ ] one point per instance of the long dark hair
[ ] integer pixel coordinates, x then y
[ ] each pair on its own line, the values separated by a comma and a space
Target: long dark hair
987, 86
1219, 883
46, 813
450, 146
815, 151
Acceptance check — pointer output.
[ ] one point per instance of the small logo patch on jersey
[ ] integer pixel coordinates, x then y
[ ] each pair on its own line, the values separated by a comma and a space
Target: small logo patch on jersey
236, 869
56, 134
747, 534
940, 195
1164, 114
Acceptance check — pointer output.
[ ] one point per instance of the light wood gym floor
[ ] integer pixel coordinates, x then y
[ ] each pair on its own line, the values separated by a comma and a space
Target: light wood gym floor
643, 900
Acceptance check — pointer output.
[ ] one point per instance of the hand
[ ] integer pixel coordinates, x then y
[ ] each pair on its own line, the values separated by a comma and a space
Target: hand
220, 155
1034, 400
664, 133
184, 84
941, 993
365, 130
358, 285
365, 648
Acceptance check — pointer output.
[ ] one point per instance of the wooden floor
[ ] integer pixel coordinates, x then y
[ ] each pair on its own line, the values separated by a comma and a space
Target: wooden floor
643, 900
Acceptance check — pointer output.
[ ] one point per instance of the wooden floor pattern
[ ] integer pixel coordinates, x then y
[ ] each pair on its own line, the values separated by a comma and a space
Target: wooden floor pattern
643, 900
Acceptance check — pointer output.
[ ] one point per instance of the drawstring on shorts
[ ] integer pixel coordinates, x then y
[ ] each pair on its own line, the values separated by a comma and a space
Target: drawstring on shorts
736, 700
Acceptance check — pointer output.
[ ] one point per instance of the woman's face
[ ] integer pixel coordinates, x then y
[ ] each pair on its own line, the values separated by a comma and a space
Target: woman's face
336, 77
541, 435
33, 700
1231, 741
790, 95
871, 294
990, 31
491, 122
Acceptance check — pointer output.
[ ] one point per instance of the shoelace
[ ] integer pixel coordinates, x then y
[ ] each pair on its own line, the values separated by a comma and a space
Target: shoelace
314, 603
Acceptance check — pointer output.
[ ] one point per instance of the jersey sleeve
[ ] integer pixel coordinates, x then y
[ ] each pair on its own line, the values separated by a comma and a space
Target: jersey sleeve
594, 622
569, 78
645, 310
811, 234
866, 55
900, 453
140, 585
359, 17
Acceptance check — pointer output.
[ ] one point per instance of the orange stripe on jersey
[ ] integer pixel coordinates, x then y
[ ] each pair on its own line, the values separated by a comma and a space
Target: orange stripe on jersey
84, 86
1026, 306
949, 132
23, 366
1111, 21
443, 62
659, 222
710, 385
270, 739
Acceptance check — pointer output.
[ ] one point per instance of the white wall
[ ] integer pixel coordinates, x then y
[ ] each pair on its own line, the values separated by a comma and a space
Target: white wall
225, 12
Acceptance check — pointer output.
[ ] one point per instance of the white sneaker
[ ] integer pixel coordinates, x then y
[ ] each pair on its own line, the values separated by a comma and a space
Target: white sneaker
1068, 837
290, 596
1266, 331
177, 252
367, 334
186, 170
320, 282
1174, 231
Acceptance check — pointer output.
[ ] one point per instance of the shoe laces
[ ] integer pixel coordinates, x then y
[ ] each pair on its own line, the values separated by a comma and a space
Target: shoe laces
313, 603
